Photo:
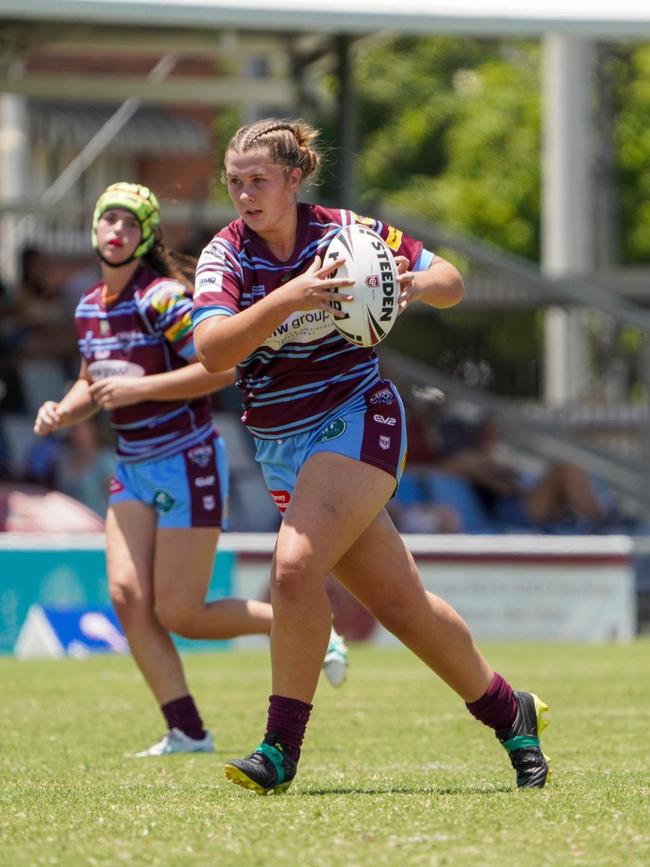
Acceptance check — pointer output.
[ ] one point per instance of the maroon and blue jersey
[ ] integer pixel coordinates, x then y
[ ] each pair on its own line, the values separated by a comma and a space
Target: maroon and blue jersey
305, 368
146, 330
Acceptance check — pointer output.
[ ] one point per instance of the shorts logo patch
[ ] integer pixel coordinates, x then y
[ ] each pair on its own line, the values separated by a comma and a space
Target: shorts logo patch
200, 455
384, 396
384, 442
116, 487
281, 499
333, 430
163, 501
204, 481
388, 420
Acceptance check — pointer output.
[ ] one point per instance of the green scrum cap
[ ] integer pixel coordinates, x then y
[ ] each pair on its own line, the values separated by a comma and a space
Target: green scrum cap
141, 202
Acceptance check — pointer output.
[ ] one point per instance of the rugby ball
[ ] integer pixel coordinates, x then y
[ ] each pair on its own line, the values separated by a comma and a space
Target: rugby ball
369, 262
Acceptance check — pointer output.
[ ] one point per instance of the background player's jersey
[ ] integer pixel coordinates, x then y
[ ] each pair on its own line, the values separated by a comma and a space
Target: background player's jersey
305, 368
146, 330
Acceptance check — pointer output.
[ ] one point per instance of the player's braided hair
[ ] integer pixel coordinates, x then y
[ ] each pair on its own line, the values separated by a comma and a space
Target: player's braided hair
290, 142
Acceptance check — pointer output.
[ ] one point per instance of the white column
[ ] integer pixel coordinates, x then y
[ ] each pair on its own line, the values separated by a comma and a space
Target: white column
14, 160
567, 206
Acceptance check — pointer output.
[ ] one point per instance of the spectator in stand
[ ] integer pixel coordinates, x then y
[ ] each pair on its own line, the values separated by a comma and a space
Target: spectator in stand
563, 493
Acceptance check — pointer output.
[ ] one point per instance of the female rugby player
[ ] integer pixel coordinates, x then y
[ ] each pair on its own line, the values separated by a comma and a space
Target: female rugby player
168, 494
329, 434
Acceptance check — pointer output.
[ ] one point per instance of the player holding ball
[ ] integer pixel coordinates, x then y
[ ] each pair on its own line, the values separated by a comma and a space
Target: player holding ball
330, 438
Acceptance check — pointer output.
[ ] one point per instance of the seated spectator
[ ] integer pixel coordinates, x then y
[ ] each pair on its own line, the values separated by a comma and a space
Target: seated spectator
564, 493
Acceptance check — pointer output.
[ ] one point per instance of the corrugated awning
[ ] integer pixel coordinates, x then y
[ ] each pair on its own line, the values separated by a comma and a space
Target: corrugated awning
150, 130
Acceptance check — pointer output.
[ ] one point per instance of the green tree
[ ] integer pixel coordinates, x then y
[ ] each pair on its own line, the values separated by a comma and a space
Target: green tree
451, 131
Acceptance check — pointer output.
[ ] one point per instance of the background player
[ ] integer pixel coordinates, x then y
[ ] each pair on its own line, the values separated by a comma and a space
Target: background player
169, 491
328, 455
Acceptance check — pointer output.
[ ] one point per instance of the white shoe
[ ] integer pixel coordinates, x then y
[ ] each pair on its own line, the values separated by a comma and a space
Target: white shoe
175, 741
335, 663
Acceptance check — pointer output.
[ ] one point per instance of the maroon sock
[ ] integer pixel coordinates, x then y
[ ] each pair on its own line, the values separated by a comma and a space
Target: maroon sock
287, 721
497, 708
183, 714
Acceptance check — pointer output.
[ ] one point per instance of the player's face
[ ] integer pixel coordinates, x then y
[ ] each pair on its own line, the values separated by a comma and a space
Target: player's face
263, 192
118, 235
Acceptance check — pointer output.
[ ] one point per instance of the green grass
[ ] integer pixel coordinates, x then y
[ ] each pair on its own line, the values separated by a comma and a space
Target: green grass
394, 771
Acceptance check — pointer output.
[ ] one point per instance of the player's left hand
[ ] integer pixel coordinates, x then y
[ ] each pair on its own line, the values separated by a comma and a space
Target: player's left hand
117, 391
407, 290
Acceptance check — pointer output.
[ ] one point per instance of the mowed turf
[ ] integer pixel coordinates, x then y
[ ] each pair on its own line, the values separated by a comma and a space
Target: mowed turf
394, 771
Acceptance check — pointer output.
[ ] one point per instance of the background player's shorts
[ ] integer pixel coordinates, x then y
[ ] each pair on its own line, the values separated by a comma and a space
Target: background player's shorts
370, 428
189, 489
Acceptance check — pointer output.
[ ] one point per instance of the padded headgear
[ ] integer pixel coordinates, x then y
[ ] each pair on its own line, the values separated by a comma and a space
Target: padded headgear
141, 202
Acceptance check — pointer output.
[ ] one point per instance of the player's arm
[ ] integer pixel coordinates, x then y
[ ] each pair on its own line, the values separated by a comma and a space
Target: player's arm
224, 341
185, 383
440, 285
76, 406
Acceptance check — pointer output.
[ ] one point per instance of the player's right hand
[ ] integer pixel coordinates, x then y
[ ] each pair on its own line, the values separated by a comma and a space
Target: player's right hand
48, 418
311, 290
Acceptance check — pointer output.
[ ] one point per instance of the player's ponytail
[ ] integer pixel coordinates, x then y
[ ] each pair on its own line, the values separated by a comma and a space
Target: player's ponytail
171, 263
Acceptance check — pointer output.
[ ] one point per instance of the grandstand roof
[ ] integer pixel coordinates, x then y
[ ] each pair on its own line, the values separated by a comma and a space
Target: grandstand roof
625, 18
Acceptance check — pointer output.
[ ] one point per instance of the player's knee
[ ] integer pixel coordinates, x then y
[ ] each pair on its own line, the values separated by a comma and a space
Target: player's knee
293, 577
128, 600
178, 618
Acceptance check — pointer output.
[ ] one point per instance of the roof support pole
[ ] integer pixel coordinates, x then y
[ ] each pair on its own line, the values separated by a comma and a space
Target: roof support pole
14, 150
567, 206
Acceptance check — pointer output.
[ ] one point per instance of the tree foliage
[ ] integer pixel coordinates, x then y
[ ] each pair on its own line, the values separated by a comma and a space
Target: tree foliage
451, 131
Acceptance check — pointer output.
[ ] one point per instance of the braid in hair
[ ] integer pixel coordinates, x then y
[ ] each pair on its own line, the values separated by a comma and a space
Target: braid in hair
289, 142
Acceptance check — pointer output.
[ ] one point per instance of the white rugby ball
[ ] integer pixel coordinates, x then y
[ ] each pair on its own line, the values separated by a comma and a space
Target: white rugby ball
369, 262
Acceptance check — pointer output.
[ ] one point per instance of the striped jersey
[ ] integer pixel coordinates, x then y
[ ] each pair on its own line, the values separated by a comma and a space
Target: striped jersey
146, 330
305, 368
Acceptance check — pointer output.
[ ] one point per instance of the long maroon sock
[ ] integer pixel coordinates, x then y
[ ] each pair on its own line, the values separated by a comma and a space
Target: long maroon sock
287, 721
183, 714
497, 708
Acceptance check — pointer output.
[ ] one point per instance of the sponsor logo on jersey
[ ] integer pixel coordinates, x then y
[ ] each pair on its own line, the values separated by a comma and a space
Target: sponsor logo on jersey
384, 442
388, 420
384, 396
200, 455
209, 503
163, 501
281, 499
301, 328
104, 327
103, 368
204, 481
333, 430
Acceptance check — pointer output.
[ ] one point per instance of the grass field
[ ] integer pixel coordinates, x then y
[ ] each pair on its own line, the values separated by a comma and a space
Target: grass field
394, 771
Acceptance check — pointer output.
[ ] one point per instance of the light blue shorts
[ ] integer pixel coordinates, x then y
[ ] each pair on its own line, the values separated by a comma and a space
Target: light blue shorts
370, 428
189, 489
